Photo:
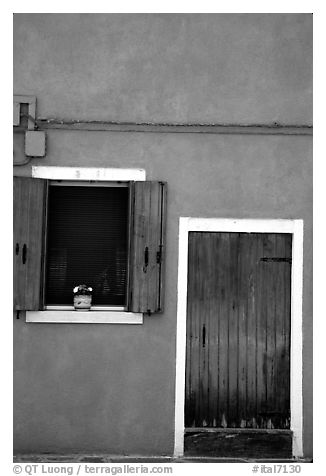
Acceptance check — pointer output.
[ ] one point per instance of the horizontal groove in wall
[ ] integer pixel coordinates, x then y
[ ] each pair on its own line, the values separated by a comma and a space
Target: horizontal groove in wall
269, 129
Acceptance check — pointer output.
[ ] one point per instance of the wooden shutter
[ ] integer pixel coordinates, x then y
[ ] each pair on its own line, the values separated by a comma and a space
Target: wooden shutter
147, 247
29, 213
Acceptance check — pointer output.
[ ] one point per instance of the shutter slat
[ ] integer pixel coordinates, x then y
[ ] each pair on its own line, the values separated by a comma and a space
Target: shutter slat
29, 212
153, 245
147, 238
139, 243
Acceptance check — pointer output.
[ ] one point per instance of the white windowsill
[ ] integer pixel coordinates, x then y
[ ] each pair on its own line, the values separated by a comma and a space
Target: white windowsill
85, 317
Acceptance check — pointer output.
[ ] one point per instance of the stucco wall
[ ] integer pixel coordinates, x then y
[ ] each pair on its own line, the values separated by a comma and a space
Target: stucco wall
111, 387
242, 68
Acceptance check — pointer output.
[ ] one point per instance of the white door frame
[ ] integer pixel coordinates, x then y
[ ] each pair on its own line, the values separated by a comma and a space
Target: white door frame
295, 227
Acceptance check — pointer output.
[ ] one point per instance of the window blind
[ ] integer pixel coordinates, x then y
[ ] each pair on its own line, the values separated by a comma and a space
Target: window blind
87, 243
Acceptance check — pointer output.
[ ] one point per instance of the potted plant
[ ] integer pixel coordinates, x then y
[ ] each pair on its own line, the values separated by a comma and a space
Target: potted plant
82, 297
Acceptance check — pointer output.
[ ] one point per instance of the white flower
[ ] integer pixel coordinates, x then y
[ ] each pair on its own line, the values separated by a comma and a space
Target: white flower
90, 289
76, 289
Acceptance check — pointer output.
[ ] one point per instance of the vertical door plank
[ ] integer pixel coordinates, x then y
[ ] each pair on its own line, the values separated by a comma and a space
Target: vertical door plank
223, 291
279, 319
206, 298
212, 336
207, 294
193, 329
270, 270
252, 243
233, 330
243, 294
286, 333
191, 374
198, 294
261, 336
282, 332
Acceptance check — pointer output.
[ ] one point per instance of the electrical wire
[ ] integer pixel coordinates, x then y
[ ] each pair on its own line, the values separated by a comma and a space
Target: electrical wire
22, 163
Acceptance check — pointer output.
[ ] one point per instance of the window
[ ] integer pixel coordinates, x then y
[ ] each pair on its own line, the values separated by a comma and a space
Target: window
87, 242
109, 236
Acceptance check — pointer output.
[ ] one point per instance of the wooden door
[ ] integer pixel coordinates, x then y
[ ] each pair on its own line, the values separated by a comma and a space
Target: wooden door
238, 330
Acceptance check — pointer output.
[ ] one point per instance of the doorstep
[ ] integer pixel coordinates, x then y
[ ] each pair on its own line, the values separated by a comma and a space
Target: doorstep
243, 444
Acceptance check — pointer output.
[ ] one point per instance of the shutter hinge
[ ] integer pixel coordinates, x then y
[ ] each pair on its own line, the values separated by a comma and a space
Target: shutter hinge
159, 255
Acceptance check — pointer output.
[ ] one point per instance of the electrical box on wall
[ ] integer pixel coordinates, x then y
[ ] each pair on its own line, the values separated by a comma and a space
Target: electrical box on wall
35, 144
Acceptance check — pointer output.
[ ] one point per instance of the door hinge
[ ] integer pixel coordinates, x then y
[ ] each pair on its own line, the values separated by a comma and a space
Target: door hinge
276, 260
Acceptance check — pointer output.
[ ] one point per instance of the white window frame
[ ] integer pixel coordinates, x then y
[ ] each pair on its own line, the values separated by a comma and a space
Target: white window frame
295, 227
96, 315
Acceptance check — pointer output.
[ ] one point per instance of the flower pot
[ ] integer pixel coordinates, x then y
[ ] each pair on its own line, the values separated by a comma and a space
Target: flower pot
82, 302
